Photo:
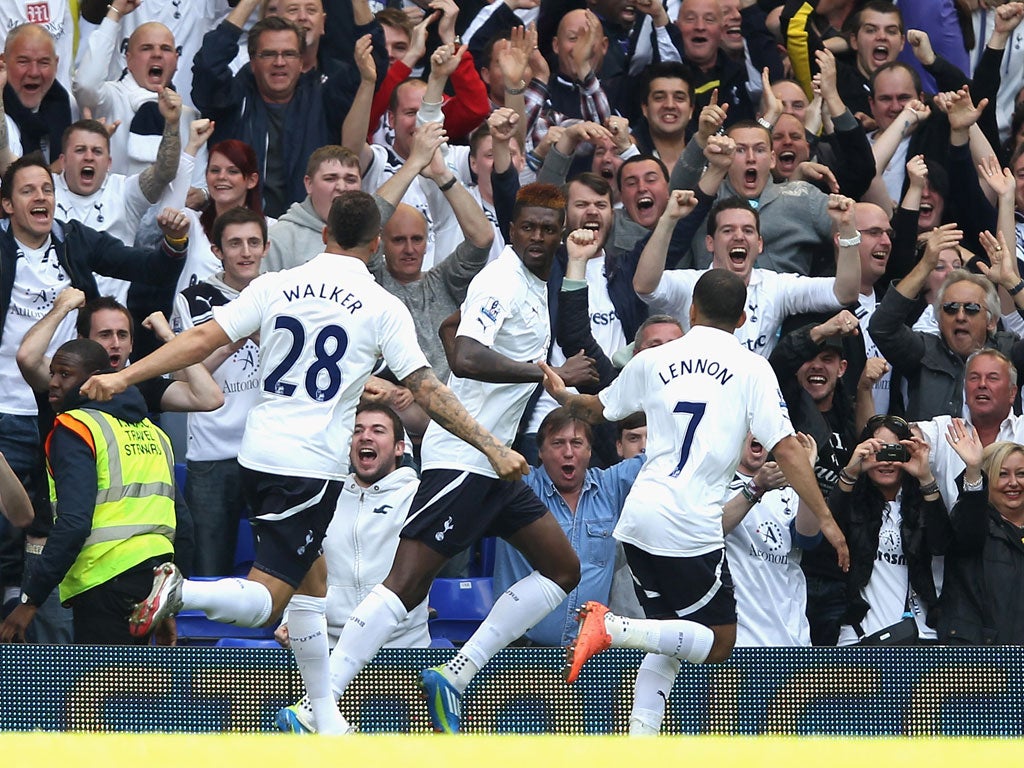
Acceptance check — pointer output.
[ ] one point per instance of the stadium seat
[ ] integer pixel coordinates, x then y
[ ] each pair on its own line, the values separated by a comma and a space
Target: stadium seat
243, 642
461, 605
482, 562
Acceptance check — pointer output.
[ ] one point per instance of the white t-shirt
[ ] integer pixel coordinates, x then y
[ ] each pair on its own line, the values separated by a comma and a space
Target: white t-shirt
38, 278
116, 208
886, 590
216, 435
701, 393
771, 591
505, 309
323, 326
771, 298
604, 325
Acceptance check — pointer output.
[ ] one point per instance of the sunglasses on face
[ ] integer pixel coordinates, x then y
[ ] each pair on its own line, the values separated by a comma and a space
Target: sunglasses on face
970, 308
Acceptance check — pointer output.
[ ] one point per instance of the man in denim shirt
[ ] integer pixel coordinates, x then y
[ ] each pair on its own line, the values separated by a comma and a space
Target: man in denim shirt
587, 503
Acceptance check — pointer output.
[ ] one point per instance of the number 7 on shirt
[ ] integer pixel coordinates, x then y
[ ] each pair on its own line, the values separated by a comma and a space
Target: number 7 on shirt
696, 412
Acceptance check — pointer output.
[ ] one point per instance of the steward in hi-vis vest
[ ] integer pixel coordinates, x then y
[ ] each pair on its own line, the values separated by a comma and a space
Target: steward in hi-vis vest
111, 474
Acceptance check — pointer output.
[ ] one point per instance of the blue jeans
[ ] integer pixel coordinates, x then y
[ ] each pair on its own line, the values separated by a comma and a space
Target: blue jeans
53, 622
213, 493
19, 443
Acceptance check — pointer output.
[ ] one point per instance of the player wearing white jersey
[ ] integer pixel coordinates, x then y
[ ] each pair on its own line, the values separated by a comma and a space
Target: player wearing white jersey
323, 326
701, 393
504, 331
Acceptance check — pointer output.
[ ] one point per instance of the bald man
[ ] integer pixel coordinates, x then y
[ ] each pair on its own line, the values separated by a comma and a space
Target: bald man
433, 295
152, 60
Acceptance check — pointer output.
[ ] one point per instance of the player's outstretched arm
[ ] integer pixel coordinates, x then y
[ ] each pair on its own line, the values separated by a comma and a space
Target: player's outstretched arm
444, 408
185, 349
586, 407
792, 457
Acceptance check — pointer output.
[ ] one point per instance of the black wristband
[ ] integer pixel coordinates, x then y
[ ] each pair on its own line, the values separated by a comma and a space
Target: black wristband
1017, 288
448, 184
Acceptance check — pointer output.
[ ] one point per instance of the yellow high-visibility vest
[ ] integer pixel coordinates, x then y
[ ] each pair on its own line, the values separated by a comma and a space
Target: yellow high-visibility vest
134, 515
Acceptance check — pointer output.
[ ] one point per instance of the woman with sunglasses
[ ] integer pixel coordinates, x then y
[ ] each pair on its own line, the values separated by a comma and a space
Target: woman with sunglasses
880, 503
982, 598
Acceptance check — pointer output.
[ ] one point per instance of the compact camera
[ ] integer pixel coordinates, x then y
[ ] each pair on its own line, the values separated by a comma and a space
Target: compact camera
893, 452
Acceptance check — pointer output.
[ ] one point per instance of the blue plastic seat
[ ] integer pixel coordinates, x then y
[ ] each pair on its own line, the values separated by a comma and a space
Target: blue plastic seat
244, 642
461, 605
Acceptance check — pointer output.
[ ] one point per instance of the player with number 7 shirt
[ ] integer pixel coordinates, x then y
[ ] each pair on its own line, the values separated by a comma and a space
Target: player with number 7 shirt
701, 394
322, 328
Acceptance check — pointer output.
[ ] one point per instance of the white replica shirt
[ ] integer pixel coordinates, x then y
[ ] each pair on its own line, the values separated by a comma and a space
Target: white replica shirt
886, 590
216, 435
927, 323
771, 298
946, 465
55, 17
604, 325
505, 309
323, 326
116, 208
701, 393
360, 546
771, 591
188, 21
38, 278
880, 392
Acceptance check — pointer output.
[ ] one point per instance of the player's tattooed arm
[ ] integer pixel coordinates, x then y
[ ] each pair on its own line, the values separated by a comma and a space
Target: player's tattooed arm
155, 178
444, 408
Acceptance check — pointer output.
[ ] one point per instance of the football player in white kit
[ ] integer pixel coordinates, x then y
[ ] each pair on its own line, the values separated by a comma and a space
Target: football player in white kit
322, 328
701, 394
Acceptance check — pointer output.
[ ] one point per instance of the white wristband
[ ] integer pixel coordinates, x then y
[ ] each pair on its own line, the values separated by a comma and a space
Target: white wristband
849, 243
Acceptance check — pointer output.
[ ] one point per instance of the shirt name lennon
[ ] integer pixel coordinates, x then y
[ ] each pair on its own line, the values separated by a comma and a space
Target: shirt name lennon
322, 291
711, 368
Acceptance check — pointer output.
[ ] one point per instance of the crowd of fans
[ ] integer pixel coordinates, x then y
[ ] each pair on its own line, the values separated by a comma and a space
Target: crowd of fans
860, 164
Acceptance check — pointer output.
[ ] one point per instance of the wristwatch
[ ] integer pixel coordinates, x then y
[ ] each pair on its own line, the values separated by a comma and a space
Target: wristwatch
26, 600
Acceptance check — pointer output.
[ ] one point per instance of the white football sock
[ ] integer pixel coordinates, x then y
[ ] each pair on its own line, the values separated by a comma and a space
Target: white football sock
654, 682
365, 631
307, 631
232, 601
520, 608
682, 639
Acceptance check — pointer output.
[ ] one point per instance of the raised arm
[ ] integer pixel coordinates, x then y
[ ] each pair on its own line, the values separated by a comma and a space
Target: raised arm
31, 356
847, 284
185, 349
155, 178
357, 121
195, 390
651, 266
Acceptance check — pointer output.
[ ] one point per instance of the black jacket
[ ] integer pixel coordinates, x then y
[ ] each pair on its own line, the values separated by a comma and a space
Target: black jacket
982, 600
83, 251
